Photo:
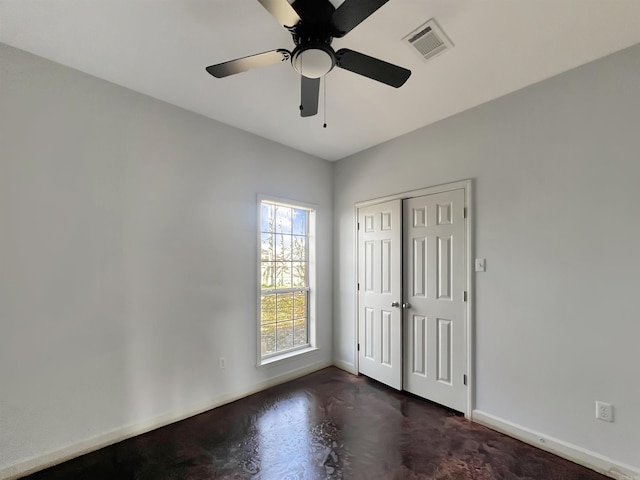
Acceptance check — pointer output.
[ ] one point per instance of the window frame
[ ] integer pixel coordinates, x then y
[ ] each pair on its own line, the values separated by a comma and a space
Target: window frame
310, 287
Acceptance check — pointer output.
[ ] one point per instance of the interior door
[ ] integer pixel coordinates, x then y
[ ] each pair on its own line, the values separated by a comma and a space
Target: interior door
434, 283
379, 292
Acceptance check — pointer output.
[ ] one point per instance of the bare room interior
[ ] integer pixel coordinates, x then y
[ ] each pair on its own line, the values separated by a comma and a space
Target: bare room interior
152, 152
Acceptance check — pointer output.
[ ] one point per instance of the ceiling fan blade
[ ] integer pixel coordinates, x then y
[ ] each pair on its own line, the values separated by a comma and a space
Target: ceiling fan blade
243, 64
310, 88
314, 12
353, 12
373, 68
282, 11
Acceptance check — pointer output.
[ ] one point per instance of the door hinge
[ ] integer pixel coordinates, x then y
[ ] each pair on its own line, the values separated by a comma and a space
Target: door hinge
464, 212
358, 225
464, 379
358, 286
358, 347
464, 296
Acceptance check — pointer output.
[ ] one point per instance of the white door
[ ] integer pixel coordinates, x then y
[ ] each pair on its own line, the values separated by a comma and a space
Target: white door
379, 292
434, 297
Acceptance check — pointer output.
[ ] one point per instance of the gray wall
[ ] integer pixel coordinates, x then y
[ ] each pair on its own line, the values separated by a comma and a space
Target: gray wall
556, 169
128, 256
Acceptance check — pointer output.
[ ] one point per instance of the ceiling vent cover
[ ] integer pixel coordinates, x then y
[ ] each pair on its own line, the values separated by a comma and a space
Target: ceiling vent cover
429, 40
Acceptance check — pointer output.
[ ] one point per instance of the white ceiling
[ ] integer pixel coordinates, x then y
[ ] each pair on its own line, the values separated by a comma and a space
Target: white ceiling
161, 48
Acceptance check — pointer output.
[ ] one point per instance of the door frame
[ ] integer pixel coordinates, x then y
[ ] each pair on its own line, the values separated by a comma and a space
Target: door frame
467, 186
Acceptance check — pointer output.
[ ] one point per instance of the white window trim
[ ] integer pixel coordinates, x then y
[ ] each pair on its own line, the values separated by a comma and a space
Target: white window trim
312, 268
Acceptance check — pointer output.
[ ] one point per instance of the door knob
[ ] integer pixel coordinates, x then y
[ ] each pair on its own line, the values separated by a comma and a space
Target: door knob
395, 304
406, 305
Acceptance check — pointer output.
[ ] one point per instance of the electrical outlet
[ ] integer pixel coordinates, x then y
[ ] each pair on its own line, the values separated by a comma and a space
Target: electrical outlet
223, 362
604, 411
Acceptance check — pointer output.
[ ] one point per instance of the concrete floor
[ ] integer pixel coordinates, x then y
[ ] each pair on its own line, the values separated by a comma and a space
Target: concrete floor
327, 425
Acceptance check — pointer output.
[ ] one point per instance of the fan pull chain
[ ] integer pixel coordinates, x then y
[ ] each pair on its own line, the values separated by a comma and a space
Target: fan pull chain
324, 99
301, 74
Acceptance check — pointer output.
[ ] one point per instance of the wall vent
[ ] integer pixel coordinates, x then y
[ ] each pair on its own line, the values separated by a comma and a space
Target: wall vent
429, 40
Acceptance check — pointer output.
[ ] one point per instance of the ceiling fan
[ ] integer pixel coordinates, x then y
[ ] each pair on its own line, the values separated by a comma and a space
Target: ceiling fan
314, 24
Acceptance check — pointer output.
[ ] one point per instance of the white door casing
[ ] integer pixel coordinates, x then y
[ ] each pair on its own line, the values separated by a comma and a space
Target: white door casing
379, 292
435, 278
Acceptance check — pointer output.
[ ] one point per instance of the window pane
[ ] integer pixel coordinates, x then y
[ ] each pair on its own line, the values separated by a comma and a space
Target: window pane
267, 251
267, 275
283, 247
298, 270
286, 276
298, 250
285, 306
300, 332
283, 274
285, 335
267, 217
268, 309
299, 221
283, 219
268, 339
299, 304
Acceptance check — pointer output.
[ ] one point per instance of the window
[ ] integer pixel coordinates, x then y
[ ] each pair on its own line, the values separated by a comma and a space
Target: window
284, 277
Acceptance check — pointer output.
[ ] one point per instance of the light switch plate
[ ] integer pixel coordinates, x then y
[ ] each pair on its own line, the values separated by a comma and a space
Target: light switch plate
480, 264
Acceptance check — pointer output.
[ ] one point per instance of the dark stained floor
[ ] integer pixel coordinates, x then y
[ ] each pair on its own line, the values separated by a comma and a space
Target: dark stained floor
327, 425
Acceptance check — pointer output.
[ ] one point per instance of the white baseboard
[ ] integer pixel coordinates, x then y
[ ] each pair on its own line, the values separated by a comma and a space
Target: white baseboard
346, 366
579, 455
91, 444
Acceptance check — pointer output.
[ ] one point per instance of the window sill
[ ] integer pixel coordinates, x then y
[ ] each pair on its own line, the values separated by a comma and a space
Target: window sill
278, 358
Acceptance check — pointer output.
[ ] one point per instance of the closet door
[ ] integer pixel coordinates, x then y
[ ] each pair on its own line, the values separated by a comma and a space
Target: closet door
434, 298
379, 292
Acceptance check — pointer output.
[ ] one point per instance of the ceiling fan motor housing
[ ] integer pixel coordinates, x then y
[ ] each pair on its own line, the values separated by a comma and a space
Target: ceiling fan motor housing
313, 59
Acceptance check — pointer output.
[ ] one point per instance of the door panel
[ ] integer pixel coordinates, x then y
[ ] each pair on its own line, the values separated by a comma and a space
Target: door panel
435, 278
380, 283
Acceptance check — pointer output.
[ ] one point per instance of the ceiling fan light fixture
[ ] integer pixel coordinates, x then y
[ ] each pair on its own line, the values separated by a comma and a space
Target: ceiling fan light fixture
313, 61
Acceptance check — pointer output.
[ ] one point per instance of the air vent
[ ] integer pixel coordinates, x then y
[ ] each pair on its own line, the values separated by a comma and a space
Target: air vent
429, 40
